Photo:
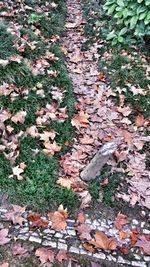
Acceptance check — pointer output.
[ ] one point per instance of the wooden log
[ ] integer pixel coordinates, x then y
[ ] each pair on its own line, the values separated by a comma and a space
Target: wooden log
92, 170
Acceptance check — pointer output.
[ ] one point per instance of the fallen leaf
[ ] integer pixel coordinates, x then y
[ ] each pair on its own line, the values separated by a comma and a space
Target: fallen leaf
124, 250
85, 199
19, 117
37, 221
15, 214
80, 120
18, 249
62, 255
81, 217
101, 76
125, 111
84, 231
47, 134
65, 182
3, 236
5, 264
89, 247
120, 220
124, 234
103, 242
17, 171
144, 244
134, 236
86, 140
105, 181
45, 255
4, 62
51, 148
58, 218
141, 121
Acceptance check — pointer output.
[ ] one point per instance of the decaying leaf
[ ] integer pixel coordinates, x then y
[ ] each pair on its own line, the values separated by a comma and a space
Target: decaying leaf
80, 120
120, 220
103, 242
134, 236
51, 148
84, 231
89, 247
85, 199
81, 217
144, 244
58, 218
37, 221
3, 236
15, 214
18, 249
45, 255
19, 117
65, 182
62, 255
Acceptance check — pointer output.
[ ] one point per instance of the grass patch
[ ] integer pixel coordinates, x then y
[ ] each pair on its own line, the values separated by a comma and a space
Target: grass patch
38, 187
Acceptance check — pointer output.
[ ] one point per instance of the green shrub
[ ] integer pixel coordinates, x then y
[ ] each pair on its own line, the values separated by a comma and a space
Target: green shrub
131, 19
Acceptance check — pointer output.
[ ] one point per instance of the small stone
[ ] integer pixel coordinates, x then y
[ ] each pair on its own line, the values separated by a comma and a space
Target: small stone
62, 246
138, 264
88, 221
71, 232
35, 239
49, 243
70, 223
62, 240
83, 252
35, 234
142, 224
3, 210
146, 232
24, 230
111, 258
100, 255
135, 222
137, 257
74, 250
23, 237
48, 231
147, 258
58, 235
95, 223
122, 260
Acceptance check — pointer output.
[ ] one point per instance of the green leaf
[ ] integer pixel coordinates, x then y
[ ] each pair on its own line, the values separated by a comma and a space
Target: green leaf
111, 9
120, 2
133, 22
123, 31
111, 35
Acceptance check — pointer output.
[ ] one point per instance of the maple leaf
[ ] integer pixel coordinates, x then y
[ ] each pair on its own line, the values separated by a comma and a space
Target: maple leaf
5, 264
45, 255
86, 140
124, 110
17, 171
47, 134
50, 149
103, 242
36, 220
85, 199
58, 218
65, 182
141, 121
80, 120
15, 215
120, 220
3, 236
33, 131
144, 244
18, 249
62, 255
19, 117
84, 230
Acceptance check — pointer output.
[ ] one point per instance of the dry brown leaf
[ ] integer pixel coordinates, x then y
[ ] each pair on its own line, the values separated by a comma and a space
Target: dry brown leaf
65, 182
33, 131
84, 231
18, 170
19, 117
144, 244
86, 140
124, 234
120, 220
103, 242
15, 214
3, 236
51, 148
45, 255
89, 247
58, 218
37, 221
5, 264
134, 236
125, 111
47, 134
81, 217
18, 249
85, 199
80, 120
141, 121
62, 255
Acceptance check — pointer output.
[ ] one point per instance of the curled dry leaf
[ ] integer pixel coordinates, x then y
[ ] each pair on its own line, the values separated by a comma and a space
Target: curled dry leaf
19, 117
18, 170
84, 231
85, 199
37, 221
45, 255
120, 220
124, 234
144, 244
103, 242
89, 247
3, 236
18, 249
58, 218
80, 120
81, 217
134, 237
62, 255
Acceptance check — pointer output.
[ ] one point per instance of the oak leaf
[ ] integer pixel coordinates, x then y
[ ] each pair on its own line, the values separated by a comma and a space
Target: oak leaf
120, 220
48, 134
58, 218
80, 120
45, 255
3, 236
62, 255
103, 242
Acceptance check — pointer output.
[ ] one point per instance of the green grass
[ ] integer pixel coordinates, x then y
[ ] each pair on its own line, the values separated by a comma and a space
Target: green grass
38, 188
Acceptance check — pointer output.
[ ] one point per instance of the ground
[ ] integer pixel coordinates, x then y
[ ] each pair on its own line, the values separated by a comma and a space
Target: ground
64, 92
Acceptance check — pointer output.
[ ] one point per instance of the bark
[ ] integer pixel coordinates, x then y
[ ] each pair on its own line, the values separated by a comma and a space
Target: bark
100, 159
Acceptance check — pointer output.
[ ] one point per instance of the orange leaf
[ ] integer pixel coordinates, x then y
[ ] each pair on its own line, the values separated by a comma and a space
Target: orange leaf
58, 218
45, 255
62, 255
101, 76
89, 247
141, 121
80, 120
124, 234
103, 242
120, 220
134, 237
37, 221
